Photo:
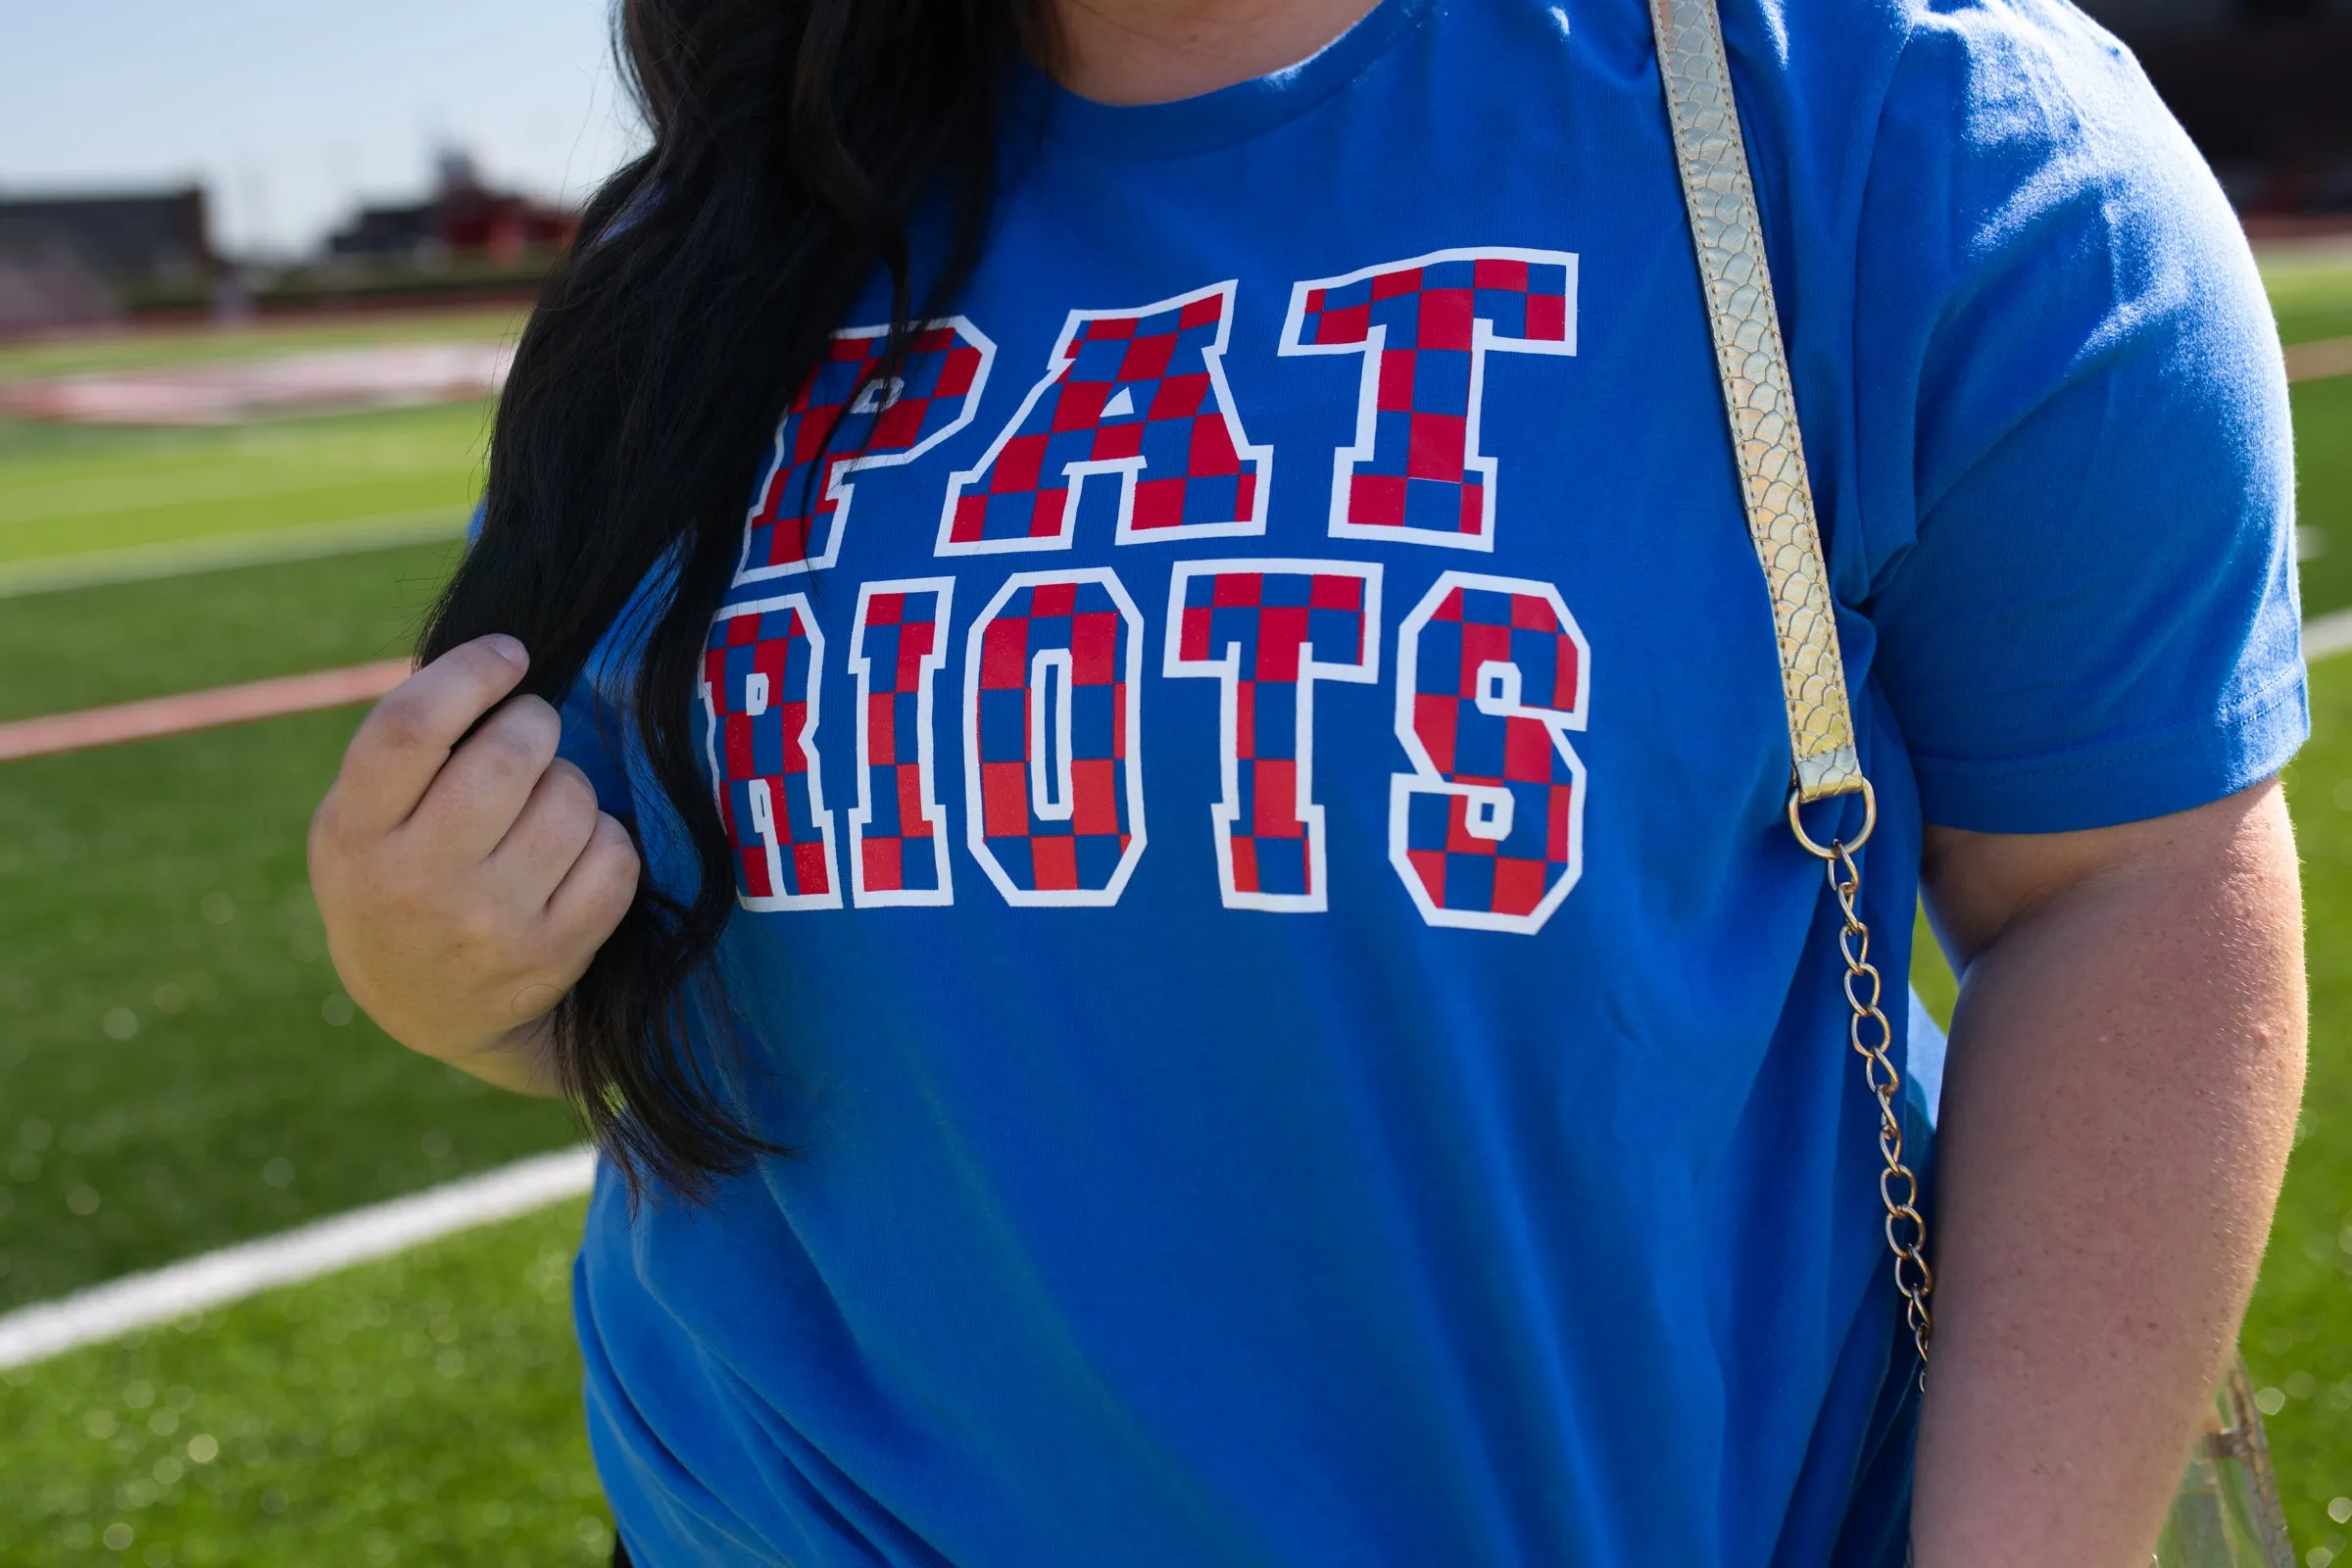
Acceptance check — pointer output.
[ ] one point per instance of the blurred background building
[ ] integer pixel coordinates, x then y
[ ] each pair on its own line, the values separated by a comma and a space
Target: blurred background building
71, 261
464, 218
2265, 86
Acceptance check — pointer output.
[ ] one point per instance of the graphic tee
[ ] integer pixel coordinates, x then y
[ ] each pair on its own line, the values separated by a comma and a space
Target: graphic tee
1256, 768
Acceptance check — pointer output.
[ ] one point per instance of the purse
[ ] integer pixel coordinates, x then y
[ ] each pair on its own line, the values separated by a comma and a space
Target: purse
2227, 1513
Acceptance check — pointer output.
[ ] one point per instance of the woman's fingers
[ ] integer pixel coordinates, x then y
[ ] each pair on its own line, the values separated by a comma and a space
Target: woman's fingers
403, 742
596, 892
548, 835
480, 791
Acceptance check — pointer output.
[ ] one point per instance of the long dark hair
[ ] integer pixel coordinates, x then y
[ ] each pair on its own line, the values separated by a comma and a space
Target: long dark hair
794, 141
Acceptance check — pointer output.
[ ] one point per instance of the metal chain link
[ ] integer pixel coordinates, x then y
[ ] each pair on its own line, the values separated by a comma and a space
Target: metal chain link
1871, 1037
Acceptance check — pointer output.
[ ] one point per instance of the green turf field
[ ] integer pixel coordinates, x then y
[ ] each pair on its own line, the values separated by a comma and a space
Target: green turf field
109, 489
2311, 296
171, 1043
2324, 490
179, 1068
2313, 299
423, 1410
79, 649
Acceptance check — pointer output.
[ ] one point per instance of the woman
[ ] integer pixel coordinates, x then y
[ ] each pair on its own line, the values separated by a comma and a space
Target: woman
1184, 1009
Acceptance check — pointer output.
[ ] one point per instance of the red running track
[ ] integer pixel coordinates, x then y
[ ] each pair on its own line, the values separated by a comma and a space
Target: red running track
223, 704
2317, 362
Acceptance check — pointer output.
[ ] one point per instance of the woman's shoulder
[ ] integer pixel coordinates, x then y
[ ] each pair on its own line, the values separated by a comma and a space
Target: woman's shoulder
1988, 30
1951, 122
1978, 70
1974, 61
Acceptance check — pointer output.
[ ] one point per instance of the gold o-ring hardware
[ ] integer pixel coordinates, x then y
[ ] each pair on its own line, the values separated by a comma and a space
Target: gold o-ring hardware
1830, 851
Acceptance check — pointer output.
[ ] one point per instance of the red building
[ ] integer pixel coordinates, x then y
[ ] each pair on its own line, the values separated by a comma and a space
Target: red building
463, 219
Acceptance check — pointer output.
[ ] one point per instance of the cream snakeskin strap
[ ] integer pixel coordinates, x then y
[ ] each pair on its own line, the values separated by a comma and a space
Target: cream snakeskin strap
1724, 225
1753, 365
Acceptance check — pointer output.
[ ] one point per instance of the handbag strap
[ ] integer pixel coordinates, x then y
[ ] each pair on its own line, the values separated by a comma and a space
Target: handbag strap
1754, 368
1752, 363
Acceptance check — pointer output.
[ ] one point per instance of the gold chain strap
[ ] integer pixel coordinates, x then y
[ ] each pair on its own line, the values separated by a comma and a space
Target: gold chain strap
1871, 1035
1752, 363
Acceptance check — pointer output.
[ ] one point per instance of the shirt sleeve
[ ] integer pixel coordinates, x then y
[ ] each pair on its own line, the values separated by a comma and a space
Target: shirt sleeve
2088, 613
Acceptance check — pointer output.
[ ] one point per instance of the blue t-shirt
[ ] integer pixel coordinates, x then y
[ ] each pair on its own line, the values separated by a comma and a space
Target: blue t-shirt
1267, 913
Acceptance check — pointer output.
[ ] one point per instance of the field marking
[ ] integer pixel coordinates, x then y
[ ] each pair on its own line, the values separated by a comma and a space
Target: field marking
153, 716
2317, 362
2326, 635
213, 1279
259, 547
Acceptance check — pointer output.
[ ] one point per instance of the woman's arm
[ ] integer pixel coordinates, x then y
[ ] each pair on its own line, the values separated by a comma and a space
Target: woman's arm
2126, 1063
466, 886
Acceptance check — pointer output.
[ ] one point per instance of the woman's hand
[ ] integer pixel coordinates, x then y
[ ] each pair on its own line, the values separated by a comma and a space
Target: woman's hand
467, 887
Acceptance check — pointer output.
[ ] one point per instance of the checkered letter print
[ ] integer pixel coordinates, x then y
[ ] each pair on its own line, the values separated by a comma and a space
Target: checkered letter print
1423, 330
846, 420
1052, 771
1486, 830
1267, 630
898, 831
1140, 394
759, 691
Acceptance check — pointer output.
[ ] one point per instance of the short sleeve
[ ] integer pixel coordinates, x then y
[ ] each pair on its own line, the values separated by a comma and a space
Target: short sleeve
2070, 388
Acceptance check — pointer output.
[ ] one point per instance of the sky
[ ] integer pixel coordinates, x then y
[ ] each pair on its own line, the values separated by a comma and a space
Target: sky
292, 112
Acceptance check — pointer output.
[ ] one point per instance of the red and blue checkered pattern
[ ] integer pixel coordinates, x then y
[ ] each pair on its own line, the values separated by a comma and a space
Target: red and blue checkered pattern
1053, 784
759, 696
1492, 675
1269, 629
1136, 393
898, 832
844, 420
1424, 327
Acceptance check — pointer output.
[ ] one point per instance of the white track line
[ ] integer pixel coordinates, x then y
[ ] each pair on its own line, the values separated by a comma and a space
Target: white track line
214, 1279
2323, 635
261, 546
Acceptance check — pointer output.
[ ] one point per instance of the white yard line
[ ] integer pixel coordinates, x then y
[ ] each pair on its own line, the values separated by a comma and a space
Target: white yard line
214, 1279
2326, 634
310, 541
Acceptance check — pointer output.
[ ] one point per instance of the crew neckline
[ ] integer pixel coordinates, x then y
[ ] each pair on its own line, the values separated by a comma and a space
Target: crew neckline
1228, 115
